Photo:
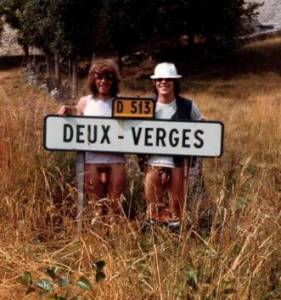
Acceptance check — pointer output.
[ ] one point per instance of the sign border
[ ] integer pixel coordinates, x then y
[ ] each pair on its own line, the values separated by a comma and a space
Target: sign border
140, 153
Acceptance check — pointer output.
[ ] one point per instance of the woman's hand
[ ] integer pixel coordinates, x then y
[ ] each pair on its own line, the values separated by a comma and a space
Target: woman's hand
67, 110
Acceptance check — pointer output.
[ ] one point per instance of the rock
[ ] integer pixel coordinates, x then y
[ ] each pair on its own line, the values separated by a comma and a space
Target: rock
269, 17
9, 45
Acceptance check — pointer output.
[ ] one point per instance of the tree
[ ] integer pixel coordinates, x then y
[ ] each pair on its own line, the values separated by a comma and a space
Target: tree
132, 23
135, 22
60, 28
76, 28
221, 23
10, 13
1, 26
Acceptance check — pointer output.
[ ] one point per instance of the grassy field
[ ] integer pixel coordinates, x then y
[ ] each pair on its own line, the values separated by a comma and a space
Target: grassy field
237, 257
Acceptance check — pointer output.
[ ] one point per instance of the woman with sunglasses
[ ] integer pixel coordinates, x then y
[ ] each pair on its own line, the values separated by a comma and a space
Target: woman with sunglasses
105, 173
167, 174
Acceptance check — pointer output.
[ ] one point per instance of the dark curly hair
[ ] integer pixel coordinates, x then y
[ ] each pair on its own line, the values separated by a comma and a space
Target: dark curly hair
104, 67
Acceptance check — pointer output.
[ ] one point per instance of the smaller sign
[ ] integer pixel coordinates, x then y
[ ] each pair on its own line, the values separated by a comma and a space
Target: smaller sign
133, 108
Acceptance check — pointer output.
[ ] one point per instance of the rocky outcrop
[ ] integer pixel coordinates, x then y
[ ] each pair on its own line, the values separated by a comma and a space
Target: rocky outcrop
9, 45
269, 17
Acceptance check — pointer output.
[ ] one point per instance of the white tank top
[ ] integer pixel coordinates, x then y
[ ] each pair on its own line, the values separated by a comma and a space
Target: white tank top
100, 108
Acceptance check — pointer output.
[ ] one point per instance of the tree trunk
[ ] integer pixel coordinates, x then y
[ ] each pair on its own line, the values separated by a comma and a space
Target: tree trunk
57, 70
74, 78
26, 53
48, 65
69, 67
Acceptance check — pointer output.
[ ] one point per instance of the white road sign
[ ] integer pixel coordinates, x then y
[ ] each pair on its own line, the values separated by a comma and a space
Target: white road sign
164, 137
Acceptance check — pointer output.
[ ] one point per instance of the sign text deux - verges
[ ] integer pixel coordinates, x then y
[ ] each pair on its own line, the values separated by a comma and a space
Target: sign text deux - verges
154, 137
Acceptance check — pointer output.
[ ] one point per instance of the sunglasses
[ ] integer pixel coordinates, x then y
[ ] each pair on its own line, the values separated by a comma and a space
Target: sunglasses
105, 76
164, 79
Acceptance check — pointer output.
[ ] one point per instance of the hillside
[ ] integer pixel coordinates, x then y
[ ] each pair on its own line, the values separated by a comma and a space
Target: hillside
229, 246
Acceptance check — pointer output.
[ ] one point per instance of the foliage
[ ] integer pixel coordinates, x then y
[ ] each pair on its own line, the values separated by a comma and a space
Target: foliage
131, 24
64, 26
76, 26
144, 24
79, 28
58, 285
1, 27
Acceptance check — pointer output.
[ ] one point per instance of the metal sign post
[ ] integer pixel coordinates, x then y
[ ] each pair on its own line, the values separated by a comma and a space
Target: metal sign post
80, 158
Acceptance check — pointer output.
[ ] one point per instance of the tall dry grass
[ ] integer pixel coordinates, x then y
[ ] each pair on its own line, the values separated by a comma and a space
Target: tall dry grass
236, 257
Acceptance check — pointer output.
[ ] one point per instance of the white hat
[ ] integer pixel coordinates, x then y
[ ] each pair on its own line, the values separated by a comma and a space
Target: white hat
165, 70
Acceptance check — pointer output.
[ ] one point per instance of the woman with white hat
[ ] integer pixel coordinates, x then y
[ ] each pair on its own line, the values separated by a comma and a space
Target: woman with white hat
167, 174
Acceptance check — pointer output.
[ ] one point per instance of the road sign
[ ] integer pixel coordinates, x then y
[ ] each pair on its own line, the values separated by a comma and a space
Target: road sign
161, 137
133, 108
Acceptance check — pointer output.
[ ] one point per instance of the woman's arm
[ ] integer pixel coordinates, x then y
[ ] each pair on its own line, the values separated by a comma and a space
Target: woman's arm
81, 106
67, 110
72, 110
